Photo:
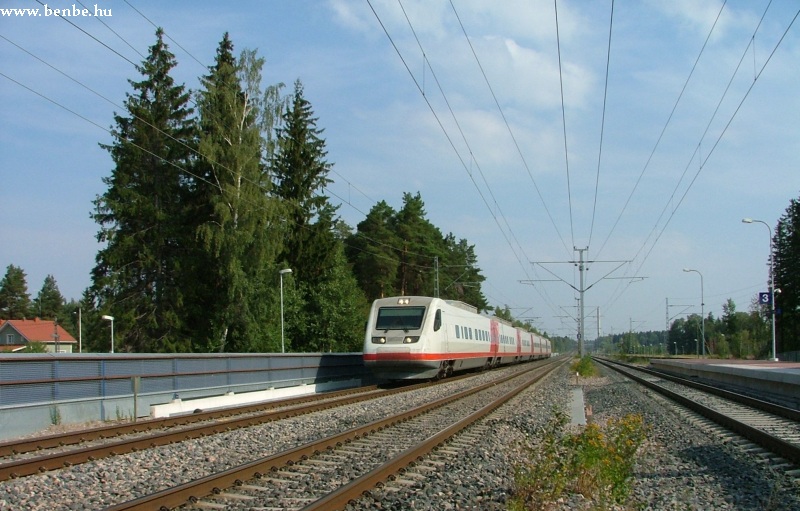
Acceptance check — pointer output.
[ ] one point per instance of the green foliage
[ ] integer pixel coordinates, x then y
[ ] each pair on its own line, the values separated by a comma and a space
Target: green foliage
49, 304
35, 347
203, 209
301, 175
596, 462
786, 253
55, 416
584, 367
546, 475
402, 253
327, 309
373, 253
235, 216
138, 272
15, 302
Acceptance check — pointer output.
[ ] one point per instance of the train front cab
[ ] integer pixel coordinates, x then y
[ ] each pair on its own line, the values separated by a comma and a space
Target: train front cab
400, 334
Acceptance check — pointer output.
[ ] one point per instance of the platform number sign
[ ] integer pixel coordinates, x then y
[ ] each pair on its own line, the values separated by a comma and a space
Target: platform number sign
764, 298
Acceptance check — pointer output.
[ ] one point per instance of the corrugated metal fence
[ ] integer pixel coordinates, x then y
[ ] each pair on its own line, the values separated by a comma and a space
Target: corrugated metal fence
38, 390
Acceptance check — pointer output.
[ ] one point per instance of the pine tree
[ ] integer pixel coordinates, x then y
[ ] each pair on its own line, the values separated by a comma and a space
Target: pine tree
236, 215
49, 303
138, 274
421, 244
459, 274
373, 251
404, 253
15, 302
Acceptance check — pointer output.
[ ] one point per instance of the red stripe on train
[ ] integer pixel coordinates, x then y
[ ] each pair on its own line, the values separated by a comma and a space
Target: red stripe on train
431, 356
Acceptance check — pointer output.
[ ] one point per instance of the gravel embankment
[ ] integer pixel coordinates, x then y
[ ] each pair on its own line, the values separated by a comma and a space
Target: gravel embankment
117, 479
679, 468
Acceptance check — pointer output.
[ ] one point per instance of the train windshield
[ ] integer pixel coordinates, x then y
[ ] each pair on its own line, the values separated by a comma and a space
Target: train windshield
400, 318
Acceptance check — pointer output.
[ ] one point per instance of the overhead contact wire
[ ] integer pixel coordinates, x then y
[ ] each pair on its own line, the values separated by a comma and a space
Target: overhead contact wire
564, 124
510, 131
602, 124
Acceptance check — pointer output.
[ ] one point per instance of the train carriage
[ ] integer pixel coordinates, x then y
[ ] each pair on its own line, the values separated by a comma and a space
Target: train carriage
416, 337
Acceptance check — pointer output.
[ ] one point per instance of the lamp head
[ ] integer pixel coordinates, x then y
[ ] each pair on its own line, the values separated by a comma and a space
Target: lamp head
108, 318
747, 220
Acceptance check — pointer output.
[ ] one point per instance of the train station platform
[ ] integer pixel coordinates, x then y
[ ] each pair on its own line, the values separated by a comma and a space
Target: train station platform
778, 380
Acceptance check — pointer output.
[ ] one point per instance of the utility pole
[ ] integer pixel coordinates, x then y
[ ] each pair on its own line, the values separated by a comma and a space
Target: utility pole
582, 290
581, 263
436, 277
55, 333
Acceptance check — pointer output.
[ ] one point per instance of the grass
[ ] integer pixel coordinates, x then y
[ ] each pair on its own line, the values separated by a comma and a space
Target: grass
596, 462
584, 367
55, 416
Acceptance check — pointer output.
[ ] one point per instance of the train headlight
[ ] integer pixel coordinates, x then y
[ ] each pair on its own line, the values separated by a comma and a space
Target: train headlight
410, 339
403, 301
379, 340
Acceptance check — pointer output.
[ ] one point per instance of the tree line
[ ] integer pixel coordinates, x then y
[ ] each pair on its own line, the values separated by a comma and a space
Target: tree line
212, 193
736, 334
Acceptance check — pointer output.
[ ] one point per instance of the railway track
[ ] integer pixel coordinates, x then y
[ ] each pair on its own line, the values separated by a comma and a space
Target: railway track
40, 454
765, 429
333, 471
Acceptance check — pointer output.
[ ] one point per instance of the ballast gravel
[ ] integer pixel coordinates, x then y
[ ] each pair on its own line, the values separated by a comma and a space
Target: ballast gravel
679, 467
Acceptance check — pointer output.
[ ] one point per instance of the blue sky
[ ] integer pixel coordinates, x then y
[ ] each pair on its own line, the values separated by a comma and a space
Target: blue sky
692, 141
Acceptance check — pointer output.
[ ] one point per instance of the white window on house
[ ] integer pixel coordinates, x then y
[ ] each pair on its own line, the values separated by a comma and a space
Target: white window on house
9, 338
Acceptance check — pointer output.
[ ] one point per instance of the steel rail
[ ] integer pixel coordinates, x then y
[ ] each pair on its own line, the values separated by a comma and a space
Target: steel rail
770, 442
38, 443
31, 466
760, 404
340, 498
192, 491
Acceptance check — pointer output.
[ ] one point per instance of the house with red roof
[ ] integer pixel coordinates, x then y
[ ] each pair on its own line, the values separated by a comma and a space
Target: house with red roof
15, 334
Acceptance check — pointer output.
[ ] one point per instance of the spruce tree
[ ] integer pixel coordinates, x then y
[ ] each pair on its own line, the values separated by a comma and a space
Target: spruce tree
15, 302
301, 175
236, 215
313, 249
138, 273
49, 303
786, 252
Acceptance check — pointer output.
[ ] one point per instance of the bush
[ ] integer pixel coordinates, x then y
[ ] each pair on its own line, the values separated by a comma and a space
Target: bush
584, 367
596, 462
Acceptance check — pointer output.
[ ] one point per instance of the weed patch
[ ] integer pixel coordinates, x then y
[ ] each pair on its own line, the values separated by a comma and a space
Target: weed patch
596, 462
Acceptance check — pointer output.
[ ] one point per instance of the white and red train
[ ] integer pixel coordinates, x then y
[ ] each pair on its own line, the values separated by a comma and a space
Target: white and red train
418, 337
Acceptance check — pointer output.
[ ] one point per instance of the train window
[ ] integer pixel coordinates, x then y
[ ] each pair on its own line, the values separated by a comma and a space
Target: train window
458, 333
400, 318
437, 320
470, 332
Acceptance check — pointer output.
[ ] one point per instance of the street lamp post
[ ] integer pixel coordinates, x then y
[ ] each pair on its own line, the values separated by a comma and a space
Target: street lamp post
111, 319
702, 312
771, 282
80, 332
282, 273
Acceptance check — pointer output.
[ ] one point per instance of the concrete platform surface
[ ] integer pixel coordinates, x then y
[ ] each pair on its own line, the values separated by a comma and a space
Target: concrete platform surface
778, 379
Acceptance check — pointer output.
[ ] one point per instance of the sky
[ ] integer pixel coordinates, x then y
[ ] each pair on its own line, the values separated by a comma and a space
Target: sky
541, 132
